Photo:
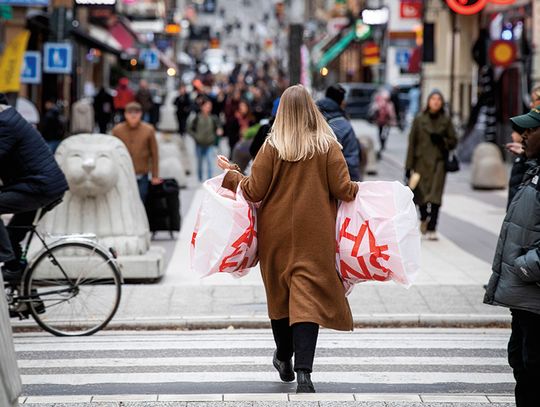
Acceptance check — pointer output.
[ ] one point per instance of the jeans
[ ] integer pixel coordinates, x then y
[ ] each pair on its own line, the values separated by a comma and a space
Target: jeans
143, 183
524, 356
24, 207
299, 339
204, 154
431, 213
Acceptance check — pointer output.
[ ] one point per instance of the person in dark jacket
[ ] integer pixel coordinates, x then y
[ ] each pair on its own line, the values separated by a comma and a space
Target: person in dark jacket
515, 282
31, 179
331, 108
520, 165
52, 125
103, 109
183, 106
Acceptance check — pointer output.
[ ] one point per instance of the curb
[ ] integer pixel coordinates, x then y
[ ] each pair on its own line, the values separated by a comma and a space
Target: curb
257, 322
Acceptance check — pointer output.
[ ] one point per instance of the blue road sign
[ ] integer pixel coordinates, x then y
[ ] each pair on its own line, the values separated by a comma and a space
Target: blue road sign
150, 58
31, 70
403, 55
57, 57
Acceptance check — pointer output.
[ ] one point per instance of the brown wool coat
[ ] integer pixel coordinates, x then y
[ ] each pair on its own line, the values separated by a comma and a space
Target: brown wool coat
296, 230
142, 146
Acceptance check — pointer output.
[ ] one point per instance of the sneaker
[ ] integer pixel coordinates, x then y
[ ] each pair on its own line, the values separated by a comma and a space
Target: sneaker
432, 235
304, 384
285, 369
423, 227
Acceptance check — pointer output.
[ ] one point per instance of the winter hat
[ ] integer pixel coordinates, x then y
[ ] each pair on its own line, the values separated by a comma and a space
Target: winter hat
336, 93
436, 91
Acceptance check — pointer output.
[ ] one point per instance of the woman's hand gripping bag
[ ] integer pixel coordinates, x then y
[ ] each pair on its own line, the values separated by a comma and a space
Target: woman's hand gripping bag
377, 235
225, 235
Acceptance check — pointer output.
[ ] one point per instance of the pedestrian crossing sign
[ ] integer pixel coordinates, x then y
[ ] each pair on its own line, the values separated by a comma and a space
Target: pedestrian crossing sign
31, 70
57, 57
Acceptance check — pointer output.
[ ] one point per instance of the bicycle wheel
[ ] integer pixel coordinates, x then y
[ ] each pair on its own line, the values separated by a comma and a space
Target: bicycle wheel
73, 288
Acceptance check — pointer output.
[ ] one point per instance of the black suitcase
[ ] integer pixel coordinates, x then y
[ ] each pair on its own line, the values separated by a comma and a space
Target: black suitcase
163, 206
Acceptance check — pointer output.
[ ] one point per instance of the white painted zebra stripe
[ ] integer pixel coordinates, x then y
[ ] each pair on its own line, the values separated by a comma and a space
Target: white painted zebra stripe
260, 360
208, 377
226, 344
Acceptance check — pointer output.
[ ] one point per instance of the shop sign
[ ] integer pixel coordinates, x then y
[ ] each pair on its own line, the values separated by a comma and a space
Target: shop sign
376, 16
467, 7
11, 62
410, 9
95, 2
26, 3
371, 54
6, 12
31, 71
502, 53
57, 57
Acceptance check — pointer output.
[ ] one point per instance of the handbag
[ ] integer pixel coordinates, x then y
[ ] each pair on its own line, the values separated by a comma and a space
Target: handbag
451, 163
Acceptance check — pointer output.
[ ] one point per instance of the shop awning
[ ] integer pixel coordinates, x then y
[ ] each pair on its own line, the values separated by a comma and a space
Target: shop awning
125, 37
335, 50
99, 38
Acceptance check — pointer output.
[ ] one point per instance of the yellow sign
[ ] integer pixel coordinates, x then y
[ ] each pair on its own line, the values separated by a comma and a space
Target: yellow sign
369, 61
11, 63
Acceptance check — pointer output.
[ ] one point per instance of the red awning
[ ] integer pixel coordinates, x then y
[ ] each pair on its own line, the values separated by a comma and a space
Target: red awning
124, 37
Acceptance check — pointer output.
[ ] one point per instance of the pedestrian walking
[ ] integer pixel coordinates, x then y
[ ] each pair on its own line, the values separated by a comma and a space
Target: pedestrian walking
205, 128
52, 125
124, 95
332, 109
103, 109
140, 140
383, 115
183, 106
431, 137
298, 176
520, 164
144, 98
515, 282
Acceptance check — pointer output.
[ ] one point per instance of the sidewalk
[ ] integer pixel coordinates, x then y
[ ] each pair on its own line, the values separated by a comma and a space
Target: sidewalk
448, 291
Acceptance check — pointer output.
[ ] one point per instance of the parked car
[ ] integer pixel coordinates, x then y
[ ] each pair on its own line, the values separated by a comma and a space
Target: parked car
358, 98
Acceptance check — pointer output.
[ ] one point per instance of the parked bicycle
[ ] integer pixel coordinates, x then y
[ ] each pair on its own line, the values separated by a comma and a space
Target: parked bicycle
71, 286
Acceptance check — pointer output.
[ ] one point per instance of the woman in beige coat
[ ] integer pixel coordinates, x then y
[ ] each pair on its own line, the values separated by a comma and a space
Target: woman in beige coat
298, 176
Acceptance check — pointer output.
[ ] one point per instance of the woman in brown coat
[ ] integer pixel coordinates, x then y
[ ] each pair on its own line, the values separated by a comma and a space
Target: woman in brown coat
431, 138
298, 176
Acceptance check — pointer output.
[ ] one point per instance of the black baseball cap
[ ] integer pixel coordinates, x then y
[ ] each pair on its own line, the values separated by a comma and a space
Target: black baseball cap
526, 121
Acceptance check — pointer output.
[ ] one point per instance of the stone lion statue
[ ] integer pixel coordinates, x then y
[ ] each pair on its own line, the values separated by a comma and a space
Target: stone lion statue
103, 197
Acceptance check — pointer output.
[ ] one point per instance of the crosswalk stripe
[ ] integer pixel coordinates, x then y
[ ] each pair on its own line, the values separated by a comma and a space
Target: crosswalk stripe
259, 360
471, 359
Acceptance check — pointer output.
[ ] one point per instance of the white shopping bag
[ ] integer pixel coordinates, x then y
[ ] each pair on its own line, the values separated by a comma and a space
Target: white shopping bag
377, 235
225, 235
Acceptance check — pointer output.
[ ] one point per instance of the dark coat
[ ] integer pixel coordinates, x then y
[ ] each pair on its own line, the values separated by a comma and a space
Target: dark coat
296, 228
430, 138
344, 132
519, 168
515, 282
26, 162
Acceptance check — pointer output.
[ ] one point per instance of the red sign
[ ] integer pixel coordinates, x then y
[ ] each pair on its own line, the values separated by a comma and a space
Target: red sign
410, 9
466, 7
502, 53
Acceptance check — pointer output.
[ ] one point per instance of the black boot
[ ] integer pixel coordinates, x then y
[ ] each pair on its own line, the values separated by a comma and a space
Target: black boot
285, 369
304, 384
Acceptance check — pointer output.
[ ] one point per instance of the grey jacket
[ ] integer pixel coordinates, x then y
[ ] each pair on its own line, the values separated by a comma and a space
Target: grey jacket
515, 282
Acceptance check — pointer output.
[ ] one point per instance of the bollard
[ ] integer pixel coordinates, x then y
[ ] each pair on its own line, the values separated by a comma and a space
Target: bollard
488, 170
370, 167
10, 380
170, 158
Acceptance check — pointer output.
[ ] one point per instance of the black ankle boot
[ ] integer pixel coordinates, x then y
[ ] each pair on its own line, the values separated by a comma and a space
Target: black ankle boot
304, 384
285, 369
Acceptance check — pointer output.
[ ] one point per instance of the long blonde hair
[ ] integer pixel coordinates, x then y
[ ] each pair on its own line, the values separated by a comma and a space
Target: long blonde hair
300, 130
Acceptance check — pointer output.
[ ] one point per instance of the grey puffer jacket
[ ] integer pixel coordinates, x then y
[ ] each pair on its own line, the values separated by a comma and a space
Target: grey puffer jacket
515, 282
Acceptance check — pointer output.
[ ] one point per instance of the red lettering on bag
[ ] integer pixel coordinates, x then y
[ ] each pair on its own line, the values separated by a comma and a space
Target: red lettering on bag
247, 238
375, 253
193, 237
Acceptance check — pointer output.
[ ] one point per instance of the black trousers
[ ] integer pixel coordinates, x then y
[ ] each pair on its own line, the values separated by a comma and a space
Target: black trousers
299, 339
430, 212
24, 207
524, 357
